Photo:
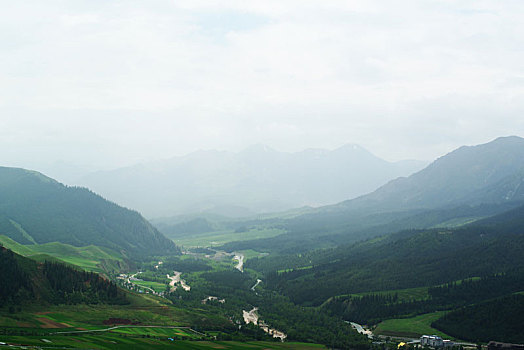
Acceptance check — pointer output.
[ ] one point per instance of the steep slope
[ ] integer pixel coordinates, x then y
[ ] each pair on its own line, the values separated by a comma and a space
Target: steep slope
487, 173
37, 209
258, 179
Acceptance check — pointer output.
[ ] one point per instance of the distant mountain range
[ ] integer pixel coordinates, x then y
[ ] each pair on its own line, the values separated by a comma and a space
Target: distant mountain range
462, 186
258, 179
487, 173
36, 209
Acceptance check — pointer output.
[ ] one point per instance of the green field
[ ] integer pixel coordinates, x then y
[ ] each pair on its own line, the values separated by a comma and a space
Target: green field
217, 238
158, 331
411, 327
144, 309
91, 258
156, 286
250, 254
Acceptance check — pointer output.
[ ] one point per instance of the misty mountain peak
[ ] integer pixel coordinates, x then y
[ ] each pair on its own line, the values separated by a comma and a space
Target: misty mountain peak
486, 173
258, 149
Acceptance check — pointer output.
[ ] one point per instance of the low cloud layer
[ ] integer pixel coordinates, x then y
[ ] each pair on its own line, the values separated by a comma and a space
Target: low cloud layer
110, 83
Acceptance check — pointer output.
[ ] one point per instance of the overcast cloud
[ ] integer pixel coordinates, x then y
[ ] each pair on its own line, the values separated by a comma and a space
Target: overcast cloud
110, 83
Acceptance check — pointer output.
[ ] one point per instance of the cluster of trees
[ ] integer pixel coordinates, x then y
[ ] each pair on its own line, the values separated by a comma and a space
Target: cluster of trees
24, 280
406, 259
70, 286
297, 322
373, 308
15, 285
501, 319
187, 265
308, 324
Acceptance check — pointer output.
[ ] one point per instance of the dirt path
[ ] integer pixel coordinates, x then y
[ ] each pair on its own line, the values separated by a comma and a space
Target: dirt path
256, 284
138, 285
128, 326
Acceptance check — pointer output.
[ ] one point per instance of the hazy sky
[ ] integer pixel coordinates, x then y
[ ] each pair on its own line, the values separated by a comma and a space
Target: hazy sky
114, 82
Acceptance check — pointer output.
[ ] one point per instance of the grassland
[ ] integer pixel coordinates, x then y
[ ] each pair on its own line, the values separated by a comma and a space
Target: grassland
217, 238
91, 258
411, 327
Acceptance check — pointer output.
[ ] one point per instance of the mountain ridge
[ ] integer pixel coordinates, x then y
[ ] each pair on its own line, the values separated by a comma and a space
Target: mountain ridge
36, 208
256, 180
485, 178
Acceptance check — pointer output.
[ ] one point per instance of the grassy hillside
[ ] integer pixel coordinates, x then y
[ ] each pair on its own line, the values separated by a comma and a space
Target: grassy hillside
91, 258
413, 327
37, 209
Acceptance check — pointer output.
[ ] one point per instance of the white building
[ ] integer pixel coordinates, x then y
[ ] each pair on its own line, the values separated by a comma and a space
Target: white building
431, 340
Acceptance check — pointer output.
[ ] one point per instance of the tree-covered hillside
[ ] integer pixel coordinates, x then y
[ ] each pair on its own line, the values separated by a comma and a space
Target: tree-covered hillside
25, 281
37, 209
501, 319
403, 260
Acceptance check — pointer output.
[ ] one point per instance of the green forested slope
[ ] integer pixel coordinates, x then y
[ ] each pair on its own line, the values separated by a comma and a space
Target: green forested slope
402, 260
26, 281
37, 209
500, 319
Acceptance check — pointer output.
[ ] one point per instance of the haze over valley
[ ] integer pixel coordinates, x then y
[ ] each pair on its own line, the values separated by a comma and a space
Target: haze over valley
262, 175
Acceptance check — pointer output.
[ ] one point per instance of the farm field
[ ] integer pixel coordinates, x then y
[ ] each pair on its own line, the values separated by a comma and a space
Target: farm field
110, 340
411, 327
143, 310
